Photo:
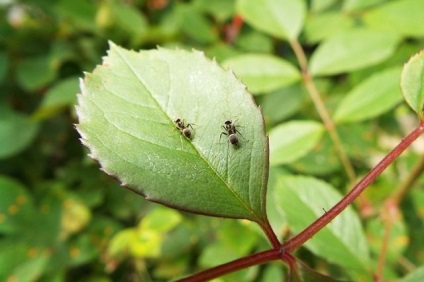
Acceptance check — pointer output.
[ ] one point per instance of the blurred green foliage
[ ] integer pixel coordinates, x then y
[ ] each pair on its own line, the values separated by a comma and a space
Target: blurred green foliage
63, 219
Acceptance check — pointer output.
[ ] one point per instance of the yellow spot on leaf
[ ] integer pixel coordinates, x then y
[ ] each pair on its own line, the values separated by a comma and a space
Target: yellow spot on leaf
21, 200
13, 209
402, 240
74, 252
12, 278
32, 252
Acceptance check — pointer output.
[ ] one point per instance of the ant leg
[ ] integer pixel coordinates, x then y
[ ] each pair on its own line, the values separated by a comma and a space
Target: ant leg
221, 135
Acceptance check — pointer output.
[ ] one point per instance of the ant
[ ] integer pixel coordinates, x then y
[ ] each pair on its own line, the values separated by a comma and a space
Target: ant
231, 131
183, 128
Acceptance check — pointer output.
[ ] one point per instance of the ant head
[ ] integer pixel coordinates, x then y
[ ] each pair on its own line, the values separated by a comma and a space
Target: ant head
228, 122
177, 120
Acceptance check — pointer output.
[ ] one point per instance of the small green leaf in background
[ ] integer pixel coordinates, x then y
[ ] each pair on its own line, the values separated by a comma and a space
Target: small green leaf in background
147, 238
292, 140
29, 75
17, 132
233, 240
415, 276
15, 206
126, 113
195, 24
342, 242
307, 274
61, 95
355, 5
321, 26
372, 97
280, 18
262, 72
398, 239
412, 83
352, 50
386, 17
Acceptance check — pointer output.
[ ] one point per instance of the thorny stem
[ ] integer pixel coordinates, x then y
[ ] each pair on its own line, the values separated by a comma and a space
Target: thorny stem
327, 217
321, 109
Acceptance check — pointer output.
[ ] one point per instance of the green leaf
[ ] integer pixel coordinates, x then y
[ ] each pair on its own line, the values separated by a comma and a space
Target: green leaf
404, 17
280, 18
355, 5
292, 140
321, 26
195, 24
291, 97
61, 95
29, 75
352, 50
263, 73
126, 113
342, 242
17, 263
412, 83
160, 220
415, 276
15, 206
307, 274
372, 97
16, 132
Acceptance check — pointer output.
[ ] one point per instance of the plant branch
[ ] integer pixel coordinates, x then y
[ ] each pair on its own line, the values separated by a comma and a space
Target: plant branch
321, 109
327, 217
235, 265
389, 214
405, 186
266, 227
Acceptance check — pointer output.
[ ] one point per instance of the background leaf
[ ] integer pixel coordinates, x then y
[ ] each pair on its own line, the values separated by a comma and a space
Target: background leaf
126, 115
17, 132
416, 276
57, 98
412, 83
386, 17
280, 18
351, 50
372, 97
342, 242
292, 140
263, 73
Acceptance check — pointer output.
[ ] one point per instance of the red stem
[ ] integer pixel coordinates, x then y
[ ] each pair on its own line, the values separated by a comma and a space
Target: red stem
327, 217
266, 227
235, 265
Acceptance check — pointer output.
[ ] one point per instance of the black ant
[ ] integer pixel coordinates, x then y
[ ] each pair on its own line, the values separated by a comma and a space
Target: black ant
183, 128
231, 131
